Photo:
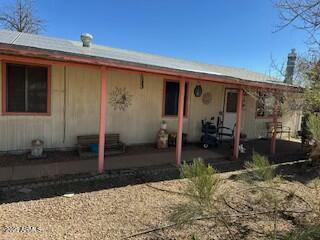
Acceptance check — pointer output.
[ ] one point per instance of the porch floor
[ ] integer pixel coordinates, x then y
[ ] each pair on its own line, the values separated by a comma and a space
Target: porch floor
57, 163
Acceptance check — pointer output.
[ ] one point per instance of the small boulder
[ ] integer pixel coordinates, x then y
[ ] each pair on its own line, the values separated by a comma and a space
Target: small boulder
25, 190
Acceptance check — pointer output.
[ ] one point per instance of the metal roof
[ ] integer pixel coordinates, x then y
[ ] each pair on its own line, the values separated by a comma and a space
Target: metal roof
16, 39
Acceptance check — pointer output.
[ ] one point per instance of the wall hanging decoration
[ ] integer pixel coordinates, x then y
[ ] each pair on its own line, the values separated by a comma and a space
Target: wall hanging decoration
141, 81
244, 100
207, 98
120, 99
198, 91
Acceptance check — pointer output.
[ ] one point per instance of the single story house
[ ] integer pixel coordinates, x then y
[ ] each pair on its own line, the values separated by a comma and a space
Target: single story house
55, 90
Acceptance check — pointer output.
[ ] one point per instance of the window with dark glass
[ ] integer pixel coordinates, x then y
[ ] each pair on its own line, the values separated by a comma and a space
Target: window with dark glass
265, 105
172, 98
232, 98
27, 88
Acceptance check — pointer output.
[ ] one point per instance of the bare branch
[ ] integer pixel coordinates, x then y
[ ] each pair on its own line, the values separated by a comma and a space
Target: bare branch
21, 17
301, 14
276, 70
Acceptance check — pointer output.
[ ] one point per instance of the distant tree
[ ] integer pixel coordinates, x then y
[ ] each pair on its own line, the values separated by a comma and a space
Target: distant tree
21, 17
312, 92
302, 14
305, 15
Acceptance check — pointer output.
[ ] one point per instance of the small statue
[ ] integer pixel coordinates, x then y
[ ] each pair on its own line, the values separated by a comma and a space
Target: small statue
162, 136
36, 148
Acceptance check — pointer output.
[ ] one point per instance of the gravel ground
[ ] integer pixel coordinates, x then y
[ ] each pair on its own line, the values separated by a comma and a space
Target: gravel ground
116, 213
106, 214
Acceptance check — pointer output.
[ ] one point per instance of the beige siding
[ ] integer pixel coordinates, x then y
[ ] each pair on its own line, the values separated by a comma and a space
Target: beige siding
17, 131
82, 103
200, 111
79, 88
252, 126
61, 128
140, 122
256, 127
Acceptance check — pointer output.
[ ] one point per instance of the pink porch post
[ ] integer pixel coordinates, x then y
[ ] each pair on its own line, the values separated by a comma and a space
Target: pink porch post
180, 121
102, 123
274, 130
238, 125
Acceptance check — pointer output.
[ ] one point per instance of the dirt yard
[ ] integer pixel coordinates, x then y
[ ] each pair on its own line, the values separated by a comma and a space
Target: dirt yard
117, 213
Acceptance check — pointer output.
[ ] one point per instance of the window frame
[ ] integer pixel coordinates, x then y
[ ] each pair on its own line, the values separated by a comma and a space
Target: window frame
186, 115
4, 90
233, 91
279, 115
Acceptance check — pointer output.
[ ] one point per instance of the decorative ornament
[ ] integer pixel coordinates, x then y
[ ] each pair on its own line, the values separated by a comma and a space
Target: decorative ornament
198, 91
36, 148
163, 125
120, 99
207, 98
162, 136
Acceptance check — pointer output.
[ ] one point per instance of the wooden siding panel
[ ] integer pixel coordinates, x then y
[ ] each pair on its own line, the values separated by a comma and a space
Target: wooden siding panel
256, 127
82, 103
199, 111
139, 123
17, 132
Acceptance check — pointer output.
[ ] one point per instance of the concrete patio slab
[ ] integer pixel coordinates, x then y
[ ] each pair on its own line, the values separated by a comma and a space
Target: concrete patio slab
18, 167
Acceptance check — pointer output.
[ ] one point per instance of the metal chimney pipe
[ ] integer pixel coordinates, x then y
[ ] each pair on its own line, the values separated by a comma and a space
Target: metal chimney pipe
292, 56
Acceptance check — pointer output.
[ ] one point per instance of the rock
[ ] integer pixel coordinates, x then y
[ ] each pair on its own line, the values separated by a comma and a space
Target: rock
68, 195
25, 190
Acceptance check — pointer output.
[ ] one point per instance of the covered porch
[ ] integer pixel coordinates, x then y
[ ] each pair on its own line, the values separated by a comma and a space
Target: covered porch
82, 86
60, 163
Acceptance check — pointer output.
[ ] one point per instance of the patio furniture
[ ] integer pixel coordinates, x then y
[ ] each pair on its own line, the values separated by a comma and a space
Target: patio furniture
279, 128
113, 145
172, 140
209, 134
223, 131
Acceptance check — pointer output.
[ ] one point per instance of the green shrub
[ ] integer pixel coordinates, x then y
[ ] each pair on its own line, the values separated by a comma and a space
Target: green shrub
314, 126
258, 169
203, 182
304, 233
316, 203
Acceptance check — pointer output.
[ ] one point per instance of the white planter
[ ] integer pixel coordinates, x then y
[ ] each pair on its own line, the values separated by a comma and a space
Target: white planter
36, 148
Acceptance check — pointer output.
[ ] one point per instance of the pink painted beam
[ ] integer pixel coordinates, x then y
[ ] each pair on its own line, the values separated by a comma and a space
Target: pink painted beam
238, 125
180, 121
274, 130
102, 123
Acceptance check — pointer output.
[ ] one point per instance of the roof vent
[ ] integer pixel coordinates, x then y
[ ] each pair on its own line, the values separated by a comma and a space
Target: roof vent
86, 39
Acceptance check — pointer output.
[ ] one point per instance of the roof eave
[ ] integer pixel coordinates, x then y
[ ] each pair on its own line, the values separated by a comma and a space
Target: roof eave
59, 57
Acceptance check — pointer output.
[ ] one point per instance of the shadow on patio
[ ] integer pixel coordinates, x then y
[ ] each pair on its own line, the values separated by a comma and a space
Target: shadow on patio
58, 163
139, 165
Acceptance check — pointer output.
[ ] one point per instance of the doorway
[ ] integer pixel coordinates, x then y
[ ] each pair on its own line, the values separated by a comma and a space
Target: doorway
230, 110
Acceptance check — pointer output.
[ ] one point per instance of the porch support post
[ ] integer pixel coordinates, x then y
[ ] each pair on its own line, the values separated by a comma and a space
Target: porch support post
274, 129
238, 125
180, 121
102, 123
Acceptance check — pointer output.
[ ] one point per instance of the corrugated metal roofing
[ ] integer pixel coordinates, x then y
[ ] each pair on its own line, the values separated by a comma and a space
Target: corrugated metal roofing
98, 51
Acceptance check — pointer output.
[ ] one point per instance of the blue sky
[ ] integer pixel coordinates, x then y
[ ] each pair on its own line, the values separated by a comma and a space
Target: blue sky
226, 32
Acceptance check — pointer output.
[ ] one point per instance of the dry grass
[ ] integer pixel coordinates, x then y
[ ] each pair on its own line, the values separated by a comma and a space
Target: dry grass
120, 212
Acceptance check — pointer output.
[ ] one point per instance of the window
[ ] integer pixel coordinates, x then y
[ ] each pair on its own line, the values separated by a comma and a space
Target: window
232, 98
265, 105
172, 98
26, 89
